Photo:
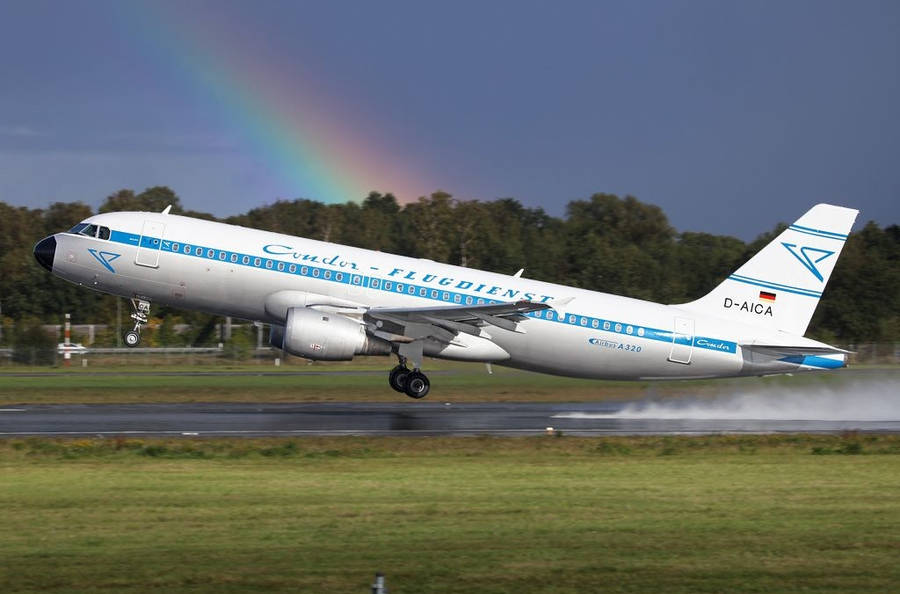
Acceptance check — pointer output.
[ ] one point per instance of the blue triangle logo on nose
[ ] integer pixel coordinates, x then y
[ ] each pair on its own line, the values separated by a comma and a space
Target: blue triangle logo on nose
809, 257
105, 258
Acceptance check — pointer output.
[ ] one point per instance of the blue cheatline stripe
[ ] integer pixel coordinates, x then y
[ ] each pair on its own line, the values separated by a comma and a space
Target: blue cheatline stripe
818, 232
354, 278
126, 238
775, 286
814, 361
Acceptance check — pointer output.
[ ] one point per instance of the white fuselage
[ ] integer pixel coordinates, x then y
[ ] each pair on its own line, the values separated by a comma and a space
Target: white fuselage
231, 270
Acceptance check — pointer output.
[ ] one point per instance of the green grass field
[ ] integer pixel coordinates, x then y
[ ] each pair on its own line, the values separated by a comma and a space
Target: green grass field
456, 382
544, 514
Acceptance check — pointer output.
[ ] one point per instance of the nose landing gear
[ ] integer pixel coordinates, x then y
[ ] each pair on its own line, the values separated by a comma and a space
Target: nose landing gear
140, 316
413, 383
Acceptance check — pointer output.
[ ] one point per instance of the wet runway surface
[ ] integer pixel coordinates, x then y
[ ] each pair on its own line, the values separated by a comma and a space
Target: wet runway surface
405, 418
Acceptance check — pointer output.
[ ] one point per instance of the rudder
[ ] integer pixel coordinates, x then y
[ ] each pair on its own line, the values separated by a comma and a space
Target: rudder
780, 286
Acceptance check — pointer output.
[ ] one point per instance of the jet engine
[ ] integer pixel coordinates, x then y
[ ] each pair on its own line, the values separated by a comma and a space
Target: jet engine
323, 336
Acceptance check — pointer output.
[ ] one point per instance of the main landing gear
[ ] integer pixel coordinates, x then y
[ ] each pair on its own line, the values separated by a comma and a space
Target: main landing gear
141, 314
413, 383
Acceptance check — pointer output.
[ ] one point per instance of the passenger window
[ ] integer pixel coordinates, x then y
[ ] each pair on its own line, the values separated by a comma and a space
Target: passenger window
104, 233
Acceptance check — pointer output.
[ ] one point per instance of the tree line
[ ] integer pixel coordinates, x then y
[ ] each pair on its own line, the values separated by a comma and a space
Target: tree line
606, 243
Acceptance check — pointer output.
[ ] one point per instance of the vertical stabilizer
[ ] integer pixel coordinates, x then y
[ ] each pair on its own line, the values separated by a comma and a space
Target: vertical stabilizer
779, 288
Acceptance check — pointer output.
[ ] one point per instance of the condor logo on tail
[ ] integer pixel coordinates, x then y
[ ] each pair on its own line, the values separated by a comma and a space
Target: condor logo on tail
809, 262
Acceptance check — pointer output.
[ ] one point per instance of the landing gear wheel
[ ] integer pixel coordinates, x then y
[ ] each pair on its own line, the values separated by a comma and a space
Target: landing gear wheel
140, 316
397, 378
417, 384
132, 339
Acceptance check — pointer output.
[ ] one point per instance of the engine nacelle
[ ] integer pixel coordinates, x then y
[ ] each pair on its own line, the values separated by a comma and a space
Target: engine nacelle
325, 336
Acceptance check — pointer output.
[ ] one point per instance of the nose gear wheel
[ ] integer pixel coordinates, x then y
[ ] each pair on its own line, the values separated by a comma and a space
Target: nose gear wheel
140, 316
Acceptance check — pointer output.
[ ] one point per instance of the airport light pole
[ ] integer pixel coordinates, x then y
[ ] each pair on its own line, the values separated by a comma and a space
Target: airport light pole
67, 341
379, 587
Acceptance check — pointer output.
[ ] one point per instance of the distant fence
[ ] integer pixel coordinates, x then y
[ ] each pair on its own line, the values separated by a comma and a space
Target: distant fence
874, 352
150, 356
864, 354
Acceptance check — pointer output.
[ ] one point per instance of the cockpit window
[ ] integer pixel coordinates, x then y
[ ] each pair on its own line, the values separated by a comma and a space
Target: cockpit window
89, 230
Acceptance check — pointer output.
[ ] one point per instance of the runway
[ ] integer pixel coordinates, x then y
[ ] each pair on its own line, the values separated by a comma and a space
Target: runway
408, 418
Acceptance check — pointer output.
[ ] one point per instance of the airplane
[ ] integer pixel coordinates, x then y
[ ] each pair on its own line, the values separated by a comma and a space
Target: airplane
326, 301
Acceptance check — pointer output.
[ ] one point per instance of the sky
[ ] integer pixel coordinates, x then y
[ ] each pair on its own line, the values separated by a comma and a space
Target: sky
730, 116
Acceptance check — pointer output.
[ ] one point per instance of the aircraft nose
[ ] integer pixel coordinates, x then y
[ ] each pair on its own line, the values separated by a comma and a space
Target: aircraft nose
44, 252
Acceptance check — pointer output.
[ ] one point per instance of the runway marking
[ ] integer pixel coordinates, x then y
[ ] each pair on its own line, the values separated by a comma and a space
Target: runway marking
12, 410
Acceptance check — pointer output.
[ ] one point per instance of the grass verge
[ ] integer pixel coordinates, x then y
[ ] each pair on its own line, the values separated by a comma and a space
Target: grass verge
454, 382
544, 514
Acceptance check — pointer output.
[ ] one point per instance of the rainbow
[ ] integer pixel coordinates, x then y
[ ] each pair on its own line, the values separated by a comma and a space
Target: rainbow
309, 142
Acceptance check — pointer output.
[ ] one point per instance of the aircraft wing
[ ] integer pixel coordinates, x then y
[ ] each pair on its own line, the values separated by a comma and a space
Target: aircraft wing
444, 323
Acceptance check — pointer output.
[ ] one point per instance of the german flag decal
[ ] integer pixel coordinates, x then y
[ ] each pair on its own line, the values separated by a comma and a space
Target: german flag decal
767, 296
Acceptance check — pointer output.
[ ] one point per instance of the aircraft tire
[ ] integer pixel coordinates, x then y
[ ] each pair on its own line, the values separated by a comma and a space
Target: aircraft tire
417, 385
132, 339
398, 377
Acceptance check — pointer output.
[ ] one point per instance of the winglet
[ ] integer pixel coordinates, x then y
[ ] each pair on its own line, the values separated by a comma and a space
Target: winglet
559, 305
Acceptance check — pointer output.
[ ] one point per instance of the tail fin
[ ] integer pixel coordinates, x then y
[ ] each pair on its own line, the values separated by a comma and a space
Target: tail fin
780, 287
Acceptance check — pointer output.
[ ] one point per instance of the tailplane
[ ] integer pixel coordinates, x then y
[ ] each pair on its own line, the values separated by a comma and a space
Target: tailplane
779, 288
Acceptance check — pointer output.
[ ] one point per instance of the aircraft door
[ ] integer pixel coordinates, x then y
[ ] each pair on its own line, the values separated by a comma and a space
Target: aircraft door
682, 341
150, 244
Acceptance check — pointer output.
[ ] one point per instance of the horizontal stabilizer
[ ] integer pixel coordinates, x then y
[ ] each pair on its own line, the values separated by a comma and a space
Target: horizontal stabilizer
775, 350
810, 356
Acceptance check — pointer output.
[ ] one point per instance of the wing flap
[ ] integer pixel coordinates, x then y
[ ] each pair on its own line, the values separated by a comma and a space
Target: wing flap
460, 313
444, 323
